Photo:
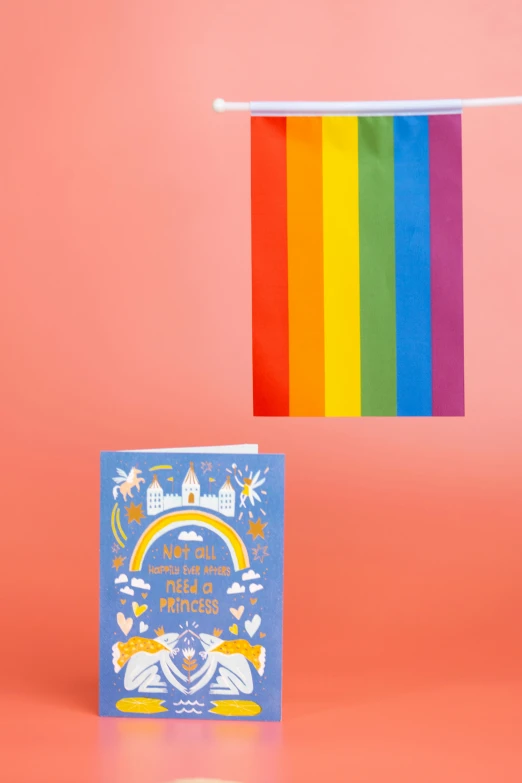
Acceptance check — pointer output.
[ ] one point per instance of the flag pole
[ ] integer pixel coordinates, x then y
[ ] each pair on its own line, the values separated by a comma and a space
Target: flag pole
307, 108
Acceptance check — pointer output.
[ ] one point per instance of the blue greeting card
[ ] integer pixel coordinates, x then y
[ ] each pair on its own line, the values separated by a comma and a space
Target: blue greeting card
191, 583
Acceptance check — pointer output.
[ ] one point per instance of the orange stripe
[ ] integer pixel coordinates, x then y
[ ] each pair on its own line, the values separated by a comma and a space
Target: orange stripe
305, 265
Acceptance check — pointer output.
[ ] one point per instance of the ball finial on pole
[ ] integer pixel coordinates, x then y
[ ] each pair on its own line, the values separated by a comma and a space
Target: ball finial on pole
219, 105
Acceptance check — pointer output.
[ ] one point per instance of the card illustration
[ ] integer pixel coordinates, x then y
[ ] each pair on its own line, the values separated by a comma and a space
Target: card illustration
191, 585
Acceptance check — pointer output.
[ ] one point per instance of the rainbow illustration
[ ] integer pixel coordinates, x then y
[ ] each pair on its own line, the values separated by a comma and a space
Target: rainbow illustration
183, 518
357, 268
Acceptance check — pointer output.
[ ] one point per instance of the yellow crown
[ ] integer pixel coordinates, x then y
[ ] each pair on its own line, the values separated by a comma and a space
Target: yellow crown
217, 632
159, 631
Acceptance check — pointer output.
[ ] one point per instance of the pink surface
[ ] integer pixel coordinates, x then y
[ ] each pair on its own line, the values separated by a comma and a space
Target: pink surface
125, 307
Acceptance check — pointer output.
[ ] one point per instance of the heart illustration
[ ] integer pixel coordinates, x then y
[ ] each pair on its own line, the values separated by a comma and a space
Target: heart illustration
253, 601
123, 600
234, 629
125, 623
144, 595
238, 613
251, 626
139, 609
144, 627
262, 635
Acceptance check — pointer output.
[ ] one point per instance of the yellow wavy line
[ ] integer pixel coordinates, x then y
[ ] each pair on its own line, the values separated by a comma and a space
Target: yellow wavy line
114, 528
118, 525
161, 467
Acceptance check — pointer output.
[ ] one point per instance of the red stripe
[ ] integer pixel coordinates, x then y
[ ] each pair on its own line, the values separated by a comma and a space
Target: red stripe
269, 267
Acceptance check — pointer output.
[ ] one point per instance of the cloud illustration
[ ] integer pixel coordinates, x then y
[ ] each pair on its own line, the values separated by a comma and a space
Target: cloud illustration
189, 535
127, 590
120, 579
250, 575
139, 583
236, 588
255, 588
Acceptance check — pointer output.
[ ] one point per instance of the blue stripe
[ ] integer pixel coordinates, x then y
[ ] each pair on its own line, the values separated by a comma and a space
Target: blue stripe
412, 266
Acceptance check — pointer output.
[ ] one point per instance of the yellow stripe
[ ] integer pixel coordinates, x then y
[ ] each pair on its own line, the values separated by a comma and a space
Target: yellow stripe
178, 519
161, 467
118, 524
113, 526
342, 329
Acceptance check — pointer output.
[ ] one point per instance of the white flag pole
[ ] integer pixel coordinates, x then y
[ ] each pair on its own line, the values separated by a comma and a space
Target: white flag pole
361, 108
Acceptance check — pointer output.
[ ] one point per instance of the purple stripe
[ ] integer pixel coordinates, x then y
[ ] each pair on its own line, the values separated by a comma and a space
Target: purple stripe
447, 296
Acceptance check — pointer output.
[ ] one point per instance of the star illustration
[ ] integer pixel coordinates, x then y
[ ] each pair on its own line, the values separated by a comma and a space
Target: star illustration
134, 513
118, 562
115, 547
260, 552
256, 529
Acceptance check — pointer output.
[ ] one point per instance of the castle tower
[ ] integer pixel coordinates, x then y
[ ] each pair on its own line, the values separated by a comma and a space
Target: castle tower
190, 488
154, 497
227, 499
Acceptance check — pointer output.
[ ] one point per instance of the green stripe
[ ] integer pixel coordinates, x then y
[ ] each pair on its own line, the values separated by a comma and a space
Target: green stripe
377, 267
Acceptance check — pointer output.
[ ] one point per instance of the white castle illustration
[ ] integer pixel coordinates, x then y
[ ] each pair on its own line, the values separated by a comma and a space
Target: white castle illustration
158, 500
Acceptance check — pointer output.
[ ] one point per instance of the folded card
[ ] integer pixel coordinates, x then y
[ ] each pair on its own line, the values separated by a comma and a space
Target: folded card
191, 583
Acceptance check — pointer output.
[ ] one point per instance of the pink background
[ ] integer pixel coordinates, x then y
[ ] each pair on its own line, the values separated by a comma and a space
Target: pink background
125, 322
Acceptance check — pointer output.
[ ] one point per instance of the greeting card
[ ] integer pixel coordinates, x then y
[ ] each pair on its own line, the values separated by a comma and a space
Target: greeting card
191, 583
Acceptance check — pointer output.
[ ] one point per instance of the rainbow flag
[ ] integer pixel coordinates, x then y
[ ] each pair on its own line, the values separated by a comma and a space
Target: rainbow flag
357, 266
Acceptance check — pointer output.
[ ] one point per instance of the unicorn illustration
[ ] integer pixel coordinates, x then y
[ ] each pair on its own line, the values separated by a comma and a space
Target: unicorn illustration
126, 481
147, 661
